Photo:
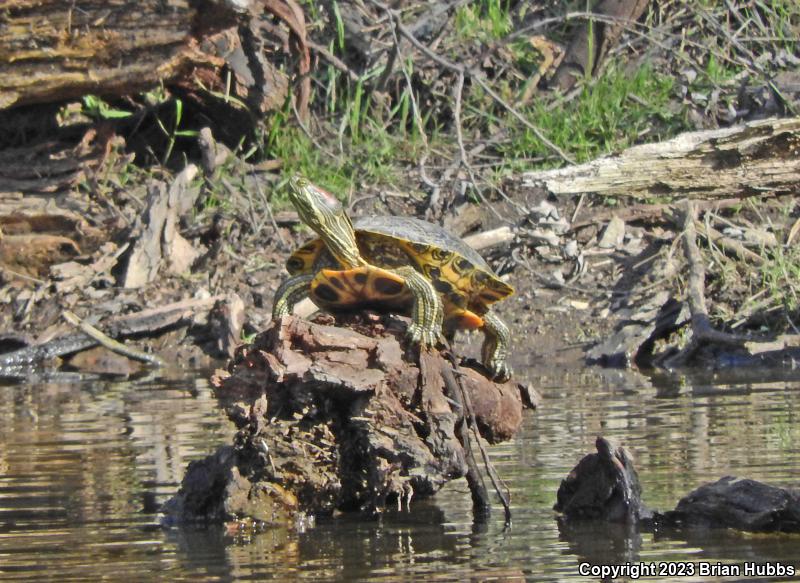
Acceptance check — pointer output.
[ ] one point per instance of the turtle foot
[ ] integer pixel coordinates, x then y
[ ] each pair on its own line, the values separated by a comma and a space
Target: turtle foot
499, 370
425, 337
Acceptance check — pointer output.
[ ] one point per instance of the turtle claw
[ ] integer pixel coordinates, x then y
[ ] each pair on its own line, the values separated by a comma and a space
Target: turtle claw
425, 337
499, 370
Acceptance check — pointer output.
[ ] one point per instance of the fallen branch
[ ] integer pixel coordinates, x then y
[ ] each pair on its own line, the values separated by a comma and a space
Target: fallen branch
731, 245
146, 321
701, 324
110, 343
754, 158
703, 333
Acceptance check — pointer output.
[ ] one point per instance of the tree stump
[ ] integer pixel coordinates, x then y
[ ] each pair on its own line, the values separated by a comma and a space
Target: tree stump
347, 417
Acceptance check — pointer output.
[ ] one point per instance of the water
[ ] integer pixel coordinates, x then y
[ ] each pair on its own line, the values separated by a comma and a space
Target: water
84, 468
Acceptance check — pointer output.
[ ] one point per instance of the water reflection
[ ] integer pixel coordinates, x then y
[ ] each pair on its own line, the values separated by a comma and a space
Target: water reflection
84, 468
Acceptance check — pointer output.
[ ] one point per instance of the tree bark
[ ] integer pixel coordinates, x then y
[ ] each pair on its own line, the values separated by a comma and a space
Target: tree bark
53, 50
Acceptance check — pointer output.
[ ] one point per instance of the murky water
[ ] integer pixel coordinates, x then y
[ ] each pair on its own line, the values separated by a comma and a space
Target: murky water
84, 468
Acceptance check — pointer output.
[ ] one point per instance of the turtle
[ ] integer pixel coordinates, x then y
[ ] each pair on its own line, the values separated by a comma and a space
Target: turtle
398, 264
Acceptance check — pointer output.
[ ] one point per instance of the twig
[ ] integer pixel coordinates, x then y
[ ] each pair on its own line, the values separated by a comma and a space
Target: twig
468, 414
110, 343
13, 273
458, 91
333, 60
481, 505
731, 245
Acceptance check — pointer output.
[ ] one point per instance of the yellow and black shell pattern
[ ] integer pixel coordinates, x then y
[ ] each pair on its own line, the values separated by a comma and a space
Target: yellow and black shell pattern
455, 269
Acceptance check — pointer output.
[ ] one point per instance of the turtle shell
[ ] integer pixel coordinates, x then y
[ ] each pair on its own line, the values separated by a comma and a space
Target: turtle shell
454, 268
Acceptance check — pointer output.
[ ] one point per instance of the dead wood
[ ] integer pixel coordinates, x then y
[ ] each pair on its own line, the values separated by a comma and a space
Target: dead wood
157, 241
225, 321
157, 319
729, 244
57, 51
339, 418
212, 49
110, 343
703, 332
592, 41
149, 322
755, 158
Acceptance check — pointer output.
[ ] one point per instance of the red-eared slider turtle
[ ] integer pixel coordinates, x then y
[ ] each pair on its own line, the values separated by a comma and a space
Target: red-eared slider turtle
394, 263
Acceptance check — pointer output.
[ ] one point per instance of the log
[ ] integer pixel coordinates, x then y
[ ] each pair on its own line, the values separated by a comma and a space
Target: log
738, 503
760, 157
60, 50
53, 51
345, 417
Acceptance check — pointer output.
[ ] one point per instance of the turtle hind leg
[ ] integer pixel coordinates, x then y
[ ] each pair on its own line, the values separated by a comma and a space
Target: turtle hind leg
495, 347
291, 291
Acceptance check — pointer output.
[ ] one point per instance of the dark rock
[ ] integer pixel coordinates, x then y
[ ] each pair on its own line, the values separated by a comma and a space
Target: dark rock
738, 503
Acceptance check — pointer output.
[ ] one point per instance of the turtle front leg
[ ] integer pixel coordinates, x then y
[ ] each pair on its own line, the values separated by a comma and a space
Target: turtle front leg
427, 313
291, 291
495, 347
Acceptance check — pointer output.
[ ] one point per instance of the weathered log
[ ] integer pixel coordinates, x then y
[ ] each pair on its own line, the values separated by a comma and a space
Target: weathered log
30, 359
53, 51
60, 50
756, 158
338, 418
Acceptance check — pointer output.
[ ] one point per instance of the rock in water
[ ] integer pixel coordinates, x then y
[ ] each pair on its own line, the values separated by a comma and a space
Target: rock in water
738, 503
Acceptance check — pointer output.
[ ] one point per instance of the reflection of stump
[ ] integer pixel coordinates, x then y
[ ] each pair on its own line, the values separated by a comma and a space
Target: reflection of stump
338, 418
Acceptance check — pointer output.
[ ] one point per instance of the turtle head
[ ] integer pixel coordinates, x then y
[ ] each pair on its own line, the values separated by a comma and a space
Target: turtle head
321, 211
